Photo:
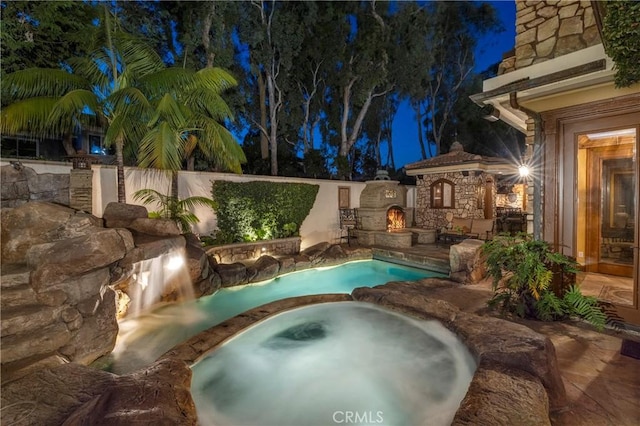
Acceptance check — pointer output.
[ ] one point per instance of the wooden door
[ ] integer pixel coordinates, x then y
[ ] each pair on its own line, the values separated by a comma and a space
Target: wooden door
611, 210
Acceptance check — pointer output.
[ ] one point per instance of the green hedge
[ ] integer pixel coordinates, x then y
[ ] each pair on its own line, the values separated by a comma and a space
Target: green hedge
251, 211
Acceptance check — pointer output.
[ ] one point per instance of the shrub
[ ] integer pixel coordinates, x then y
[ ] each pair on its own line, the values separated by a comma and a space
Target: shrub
172, 207
621, 31
523, 271
251, 211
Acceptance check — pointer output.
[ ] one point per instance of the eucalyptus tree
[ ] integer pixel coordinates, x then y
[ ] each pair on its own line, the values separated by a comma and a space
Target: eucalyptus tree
273, 32
412, 59
455, 28
362, 75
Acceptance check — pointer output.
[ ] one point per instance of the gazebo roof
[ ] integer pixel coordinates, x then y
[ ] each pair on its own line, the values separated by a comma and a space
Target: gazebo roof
457, 160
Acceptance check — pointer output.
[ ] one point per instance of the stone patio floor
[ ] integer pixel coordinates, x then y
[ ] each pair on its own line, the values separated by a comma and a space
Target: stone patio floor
603, 386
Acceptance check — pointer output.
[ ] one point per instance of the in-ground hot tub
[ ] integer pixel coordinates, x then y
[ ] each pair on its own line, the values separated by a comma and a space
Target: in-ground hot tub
343, 362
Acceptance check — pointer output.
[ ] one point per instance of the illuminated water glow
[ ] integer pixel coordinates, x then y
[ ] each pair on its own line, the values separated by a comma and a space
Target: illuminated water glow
322, 364
143, 339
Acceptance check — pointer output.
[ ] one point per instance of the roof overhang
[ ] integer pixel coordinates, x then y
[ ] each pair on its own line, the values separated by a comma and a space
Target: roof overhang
572, 79
496, 169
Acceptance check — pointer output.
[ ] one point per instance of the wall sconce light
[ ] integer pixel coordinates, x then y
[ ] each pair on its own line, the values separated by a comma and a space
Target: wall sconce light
491, 113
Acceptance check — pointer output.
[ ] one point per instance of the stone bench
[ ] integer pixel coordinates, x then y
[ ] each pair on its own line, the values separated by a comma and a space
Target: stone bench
422, 235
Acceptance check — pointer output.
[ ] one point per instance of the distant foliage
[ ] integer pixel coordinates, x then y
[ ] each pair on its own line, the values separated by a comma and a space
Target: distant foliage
251, 211
622, 40
523, 271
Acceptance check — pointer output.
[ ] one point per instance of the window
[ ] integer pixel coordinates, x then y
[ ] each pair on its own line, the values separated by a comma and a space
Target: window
442, 194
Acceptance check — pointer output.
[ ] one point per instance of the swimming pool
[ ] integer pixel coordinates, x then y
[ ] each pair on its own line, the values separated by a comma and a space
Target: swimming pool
142, 340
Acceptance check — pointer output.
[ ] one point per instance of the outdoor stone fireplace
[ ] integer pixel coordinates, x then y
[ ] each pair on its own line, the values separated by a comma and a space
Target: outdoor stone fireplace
395, 218
383, 215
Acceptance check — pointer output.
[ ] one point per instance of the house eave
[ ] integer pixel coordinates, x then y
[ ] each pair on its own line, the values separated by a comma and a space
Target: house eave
496, 169
579, 77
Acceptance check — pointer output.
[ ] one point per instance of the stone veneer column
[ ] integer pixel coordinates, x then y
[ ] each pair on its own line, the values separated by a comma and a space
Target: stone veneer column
551, 28
80, 189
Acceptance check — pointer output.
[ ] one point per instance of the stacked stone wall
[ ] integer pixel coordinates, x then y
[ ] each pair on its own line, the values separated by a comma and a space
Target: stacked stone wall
549, 29
468, 196
22, 184
250, 251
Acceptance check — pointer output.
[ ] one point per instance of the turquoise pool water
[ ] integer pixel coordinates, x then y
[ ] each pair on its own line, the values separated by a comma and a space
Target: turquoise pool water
144, 339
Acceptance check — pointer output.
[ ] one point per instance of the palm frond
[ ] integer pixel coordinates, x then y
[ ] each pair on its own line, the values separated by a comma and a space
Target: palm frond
209, 103
92, 68
30, 116
139, 57
130, 100
191, 202
172, 80
216, 79
161, 148
39, 82
74, 107
170, 111
219, 145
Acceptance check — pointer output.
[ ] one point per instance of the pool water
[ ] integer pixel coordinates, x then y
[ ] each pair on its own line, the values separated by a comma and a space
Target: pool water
143, 339
342, 362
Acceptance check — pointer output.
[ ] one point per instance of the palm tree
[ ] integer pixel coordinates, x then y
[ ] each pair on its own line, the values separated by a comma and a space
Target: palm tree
188, 112
161, 114
173, 208
99, 90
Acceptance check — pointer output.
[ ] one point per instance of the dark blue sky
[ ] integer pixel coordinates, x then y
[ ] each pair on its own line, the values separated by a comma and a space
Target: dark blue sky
489, 51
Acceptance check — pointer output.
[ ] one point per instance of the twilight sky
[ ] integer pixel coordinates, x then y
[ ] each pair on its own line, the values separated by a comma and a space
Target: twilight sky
489, 51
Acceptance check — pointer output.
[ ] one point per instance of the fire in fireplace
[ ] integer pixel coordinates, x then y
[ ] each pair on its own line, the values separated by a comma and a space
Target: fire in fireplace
395, 218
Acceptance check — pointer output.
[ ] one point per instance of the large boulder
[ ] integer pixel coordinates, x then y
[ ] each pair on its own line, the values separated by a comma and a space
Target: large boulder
73, 394
38, 223
265, 268
503, 395
120, 215
466, 262
157, 227
316, 252
56, 304
201, 267
232, 274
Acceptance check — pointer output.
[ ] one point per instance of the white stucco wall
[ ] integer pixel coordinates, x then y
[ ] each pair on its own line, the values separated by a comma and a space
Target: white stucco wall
322, 224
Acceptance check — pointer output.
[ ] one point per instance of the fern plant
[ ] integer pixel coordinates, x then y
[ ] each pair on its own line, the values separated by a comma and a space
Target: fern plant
173, 208
523, 271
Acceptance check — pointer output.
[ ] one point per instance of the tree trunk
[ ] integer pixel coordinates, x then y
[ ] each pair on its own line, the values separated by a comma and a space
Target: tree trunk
264, 142
120, 169
174, 184
67, 142
273, 123
416, 108
206, 38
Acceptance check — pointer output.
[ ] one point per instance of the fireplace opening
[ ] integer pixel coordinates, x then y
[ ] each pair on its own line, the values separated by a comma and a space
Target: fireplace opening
395, 218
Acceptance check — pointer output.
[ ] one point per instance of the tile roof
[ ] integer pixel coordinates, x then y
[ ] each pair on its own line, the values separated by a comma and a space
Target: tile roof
456, 155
